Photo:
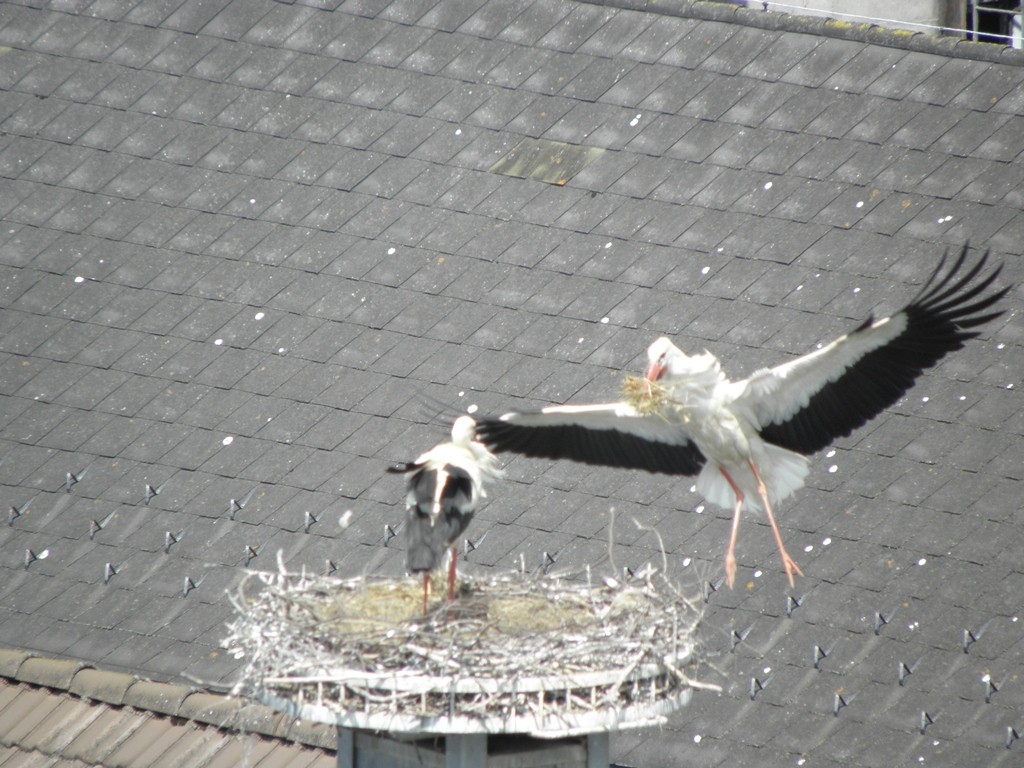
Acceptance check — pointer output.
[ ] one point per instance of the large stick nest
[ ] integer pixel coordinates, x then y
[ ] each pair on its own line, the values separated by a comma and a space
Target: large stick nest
513, 653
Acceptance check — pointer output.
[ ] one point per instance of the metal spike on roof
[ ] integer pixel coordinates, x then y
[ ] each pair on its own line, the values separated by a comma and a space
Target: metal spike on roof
926, 720
882, 620
389, 533
236, 505
190, 584
792, 603
737, 637
30, 557
95, 526
972, 636
310, 521
15, 512
820, 654
331, 569
72, 479
904, 671
757, 685
471, 546
840, 702
548, 560
710, 587
251, 553
170, 539
991, 687
110, 571
151, 492
1012, 734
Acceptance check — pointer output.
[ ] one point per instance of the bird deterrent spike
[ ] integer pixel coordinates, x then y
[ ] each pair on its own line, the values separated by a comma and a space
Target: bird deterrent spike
968, 641
72, 479
16, 512
151, 493
990, 688
972, 636
95, 526
110, 571
839, 702
1012, 734
548, 560
755, 687
903, 672
881, 620
710, 587
251, 553
926, 720
734, 640
471, 546
738, 636
820, 654
170, 539
310, 521
190, 584
235, 505
792, 603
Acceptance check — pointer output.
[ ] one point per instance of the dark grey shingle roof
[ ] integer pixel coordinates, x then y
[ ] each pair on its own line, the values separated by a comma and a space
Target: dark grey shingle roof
241, 239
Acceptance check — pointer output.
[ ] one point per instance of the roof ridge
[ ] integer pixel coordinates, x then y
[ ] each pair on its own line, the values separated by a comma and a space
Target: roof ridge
739, 12
120, 689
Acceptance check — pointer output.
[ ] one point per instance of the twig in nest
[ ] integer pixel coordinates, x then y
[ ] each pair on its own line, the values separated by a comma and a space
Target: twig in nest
500, 654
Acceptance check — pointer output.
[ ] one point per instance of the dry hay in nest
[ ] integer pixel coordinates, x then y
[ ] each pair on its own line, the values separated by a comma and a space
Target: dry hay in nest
514, 653
644, 395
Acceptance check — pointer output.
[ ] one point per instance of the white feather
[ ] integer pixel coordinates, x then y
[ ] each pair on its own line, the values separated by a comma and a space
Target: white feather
772, 395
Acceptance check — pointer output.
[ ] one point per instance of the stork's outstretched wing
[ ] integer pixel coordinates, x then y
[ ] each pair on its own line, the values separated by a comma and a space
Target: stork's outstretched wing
806, 403
611, 435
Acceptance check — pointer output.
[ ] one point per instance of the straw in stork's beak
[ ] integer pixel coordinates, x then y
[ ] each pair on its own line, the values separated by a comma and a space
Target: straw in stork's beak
644, 394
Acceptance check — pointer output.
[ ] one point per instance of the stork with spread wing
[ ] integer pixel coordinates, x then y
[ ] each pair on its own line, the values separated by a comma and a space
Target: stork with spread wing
748, 440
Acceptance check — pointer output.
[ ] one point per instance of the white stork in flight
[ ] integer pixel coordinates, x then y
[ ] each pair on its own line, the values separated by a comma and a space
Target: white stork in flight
444, 487
749, 439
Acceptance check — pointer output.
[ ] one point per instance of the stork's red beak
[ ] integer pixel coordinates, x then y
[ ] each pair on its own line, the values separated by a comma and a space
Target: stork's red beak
655, 371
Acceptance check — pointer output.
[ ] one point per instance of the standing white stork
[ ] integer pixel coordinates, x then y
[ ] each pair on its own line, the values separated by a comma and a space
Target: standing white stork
749, 438
444, 487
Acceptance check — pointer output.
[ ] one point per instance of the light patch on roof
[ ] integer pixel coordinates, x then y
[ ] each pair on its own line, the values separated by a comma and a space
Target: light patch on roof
552, 161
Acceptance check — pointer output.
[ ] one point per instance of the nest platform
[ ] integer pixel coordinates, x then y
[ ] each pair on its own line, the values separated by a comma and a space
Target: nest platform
541, 656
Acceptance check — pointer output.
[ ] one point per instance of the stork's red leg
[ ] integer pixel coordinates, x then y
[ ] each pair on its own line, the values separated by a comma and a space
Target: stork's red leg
787, 562
730, 551
451, 575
